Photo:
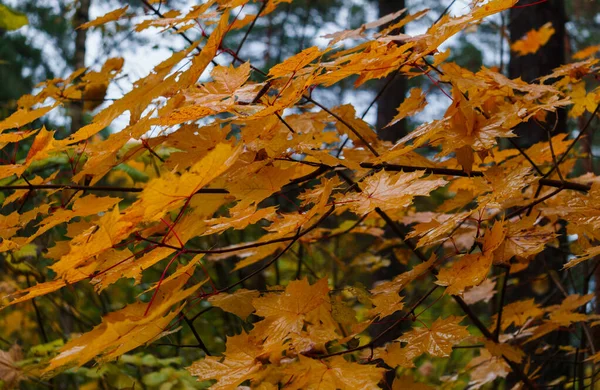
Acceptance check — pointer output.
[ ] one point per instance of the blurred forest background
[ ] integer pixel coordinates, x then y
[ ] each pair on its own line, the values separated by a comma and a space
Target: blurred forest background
39, 41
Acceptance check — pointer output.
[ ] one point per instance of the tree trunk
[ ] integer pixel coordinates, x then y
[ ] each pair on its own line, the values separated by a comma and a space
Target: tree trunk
531, 66
394, 93
82, 15
387, 104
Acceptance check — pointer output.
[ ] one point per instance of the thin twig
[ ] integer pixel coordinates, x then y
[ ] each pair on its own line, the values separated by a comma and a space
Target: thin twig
201, 344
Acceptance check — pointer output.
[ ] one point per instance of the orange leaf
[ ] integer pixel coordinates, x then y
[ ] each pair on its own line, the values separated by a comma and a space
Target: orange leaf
534, 39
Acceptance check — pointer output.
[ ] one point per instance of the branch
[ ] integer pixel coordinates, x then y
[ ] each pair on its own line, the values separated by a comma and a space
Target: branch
32, 187
274, 259
196, 335
264, 5
482, 328
459, 172
371, 344
502, 295
472, 316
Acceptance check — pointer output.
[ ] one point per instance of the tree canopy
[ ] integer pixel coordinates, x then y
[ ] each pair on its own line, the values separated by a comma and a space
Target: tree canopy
236, 231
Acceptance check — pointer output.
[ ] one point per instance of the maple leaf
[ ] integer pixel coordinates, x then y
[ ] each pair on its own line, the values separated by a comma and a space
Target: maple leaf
586, 52
582, 100
486, 368
415, 103
240, 362
394, 355
402, 280
513, 354
293, 64
408, 382
24, 116
523, 239
238, 303
439, 338
109, 17
125, 329
285, 313
10, 373
386, 304
336, 373
472, 269
388, 191
519, 312
170, 191
534, 39
484, 292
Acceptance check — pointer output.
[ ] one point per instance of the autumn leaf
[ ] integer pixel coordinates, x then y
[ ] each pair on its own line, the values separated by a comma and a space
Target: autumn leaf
534, 39
394, 355
23, 117
285, 313
125, 329
472, 269
10, 373
510, 352
413, 104
519, 312
439, 338
293, 64
109, 17
386, 304
239, 363
389, 192
334, 374
486, 368
484, 292
238, 303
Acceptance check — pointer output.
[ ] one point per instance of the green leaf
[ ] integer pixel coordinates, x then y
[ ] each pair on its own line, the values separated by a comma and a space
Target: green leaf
11, 19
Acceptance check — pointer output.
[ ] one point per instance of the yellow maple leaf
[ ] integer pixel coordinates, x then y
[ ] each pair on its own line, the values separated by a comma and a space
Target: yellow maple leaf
394, 355
24, 116
239, 363
109, 17
533, 40
510, 352
238, 303
125, 329
389, 191
336, 373
586, 52
582, 100
293, 64
472, 269
171, 191
519, 312
413, 104
386, 304
438, 339
285, 313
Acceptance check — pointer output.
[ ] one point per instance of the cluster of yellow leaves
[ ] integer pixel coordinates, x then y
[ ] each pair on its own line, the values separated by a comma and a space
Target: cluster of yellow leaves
216, 152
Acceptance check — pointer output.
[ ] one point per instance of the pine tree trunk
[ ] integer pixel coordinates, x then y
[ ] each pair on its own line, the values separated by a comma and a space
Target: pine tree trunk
394, 92
82, 15
530, 67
